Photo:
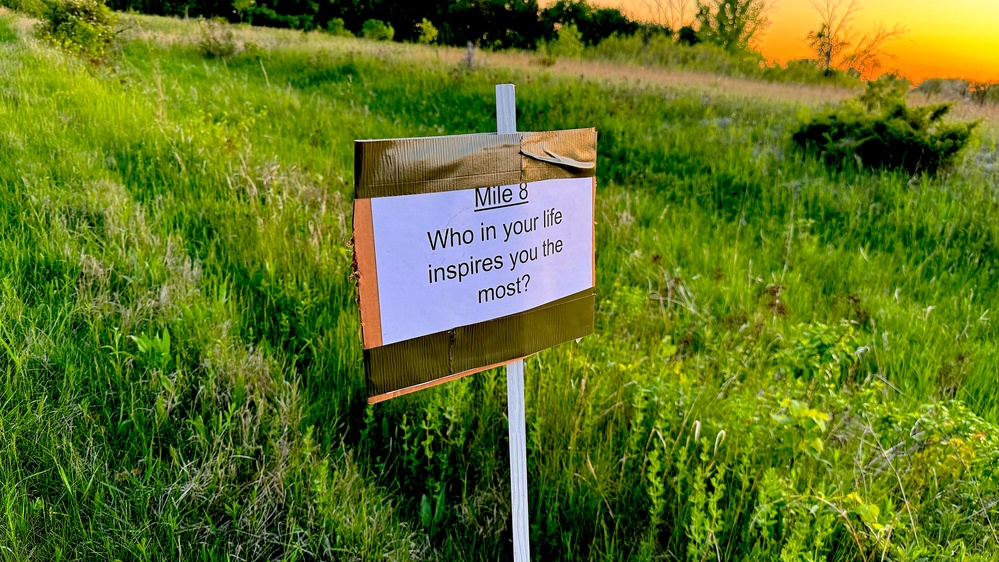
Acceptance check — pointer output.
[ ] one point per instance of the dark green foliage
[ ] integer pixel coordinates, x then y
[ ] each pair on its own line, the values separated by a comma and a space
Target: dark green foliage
496, 24
336, 27
879, 130
82, 27
594, 24
296, 14
376, 29
688, 36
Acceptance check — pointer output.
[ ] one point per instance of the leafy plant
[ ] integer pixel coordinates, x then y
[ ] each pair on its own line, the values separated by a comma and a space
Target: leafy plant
337, 28
568, 42
242, 7
216, 39
428, 33
377, 30
82, 27
879, 130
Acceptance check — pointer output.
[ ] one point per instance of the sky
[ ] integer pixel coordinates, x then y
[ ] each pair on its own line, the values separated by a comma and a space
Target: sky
944, 38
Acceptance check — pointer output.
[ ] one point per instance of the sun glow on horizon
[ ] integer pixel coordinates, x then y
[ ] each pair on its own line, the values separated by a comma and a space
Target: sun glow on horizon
955, 39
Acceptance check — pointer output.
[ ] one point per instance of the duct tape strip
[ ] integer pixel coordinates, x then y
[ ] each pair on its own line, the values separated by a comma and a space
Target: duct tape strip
400, 368
386, 168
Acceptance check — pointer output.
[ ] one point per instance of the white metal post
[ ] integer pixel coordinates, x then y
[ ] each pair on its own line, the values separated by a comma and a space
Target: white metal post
506, 122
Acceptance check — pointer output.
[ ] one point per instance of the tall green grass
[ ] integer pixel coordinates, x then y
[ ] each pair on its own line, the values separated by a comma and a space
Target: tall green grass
665, 52
789, 363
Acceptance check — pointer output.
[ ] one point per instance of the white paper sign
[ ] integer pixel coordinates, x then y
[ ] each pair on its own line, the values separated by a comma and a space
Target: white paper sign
456, 258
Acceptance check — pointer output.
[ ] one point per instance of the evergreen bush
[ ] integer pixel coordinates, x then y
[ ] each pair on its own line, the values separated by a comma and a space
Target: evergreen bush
879, 130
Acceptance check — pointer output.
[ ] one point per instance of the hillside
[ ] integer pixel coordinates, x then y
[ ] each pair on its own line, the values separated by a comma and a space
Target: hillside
790, 363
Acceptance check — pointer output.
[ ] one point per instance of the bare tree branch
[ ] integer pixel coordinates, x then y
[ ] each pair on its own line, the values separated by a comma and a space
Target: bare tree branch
869, 54
673, 14
832, 41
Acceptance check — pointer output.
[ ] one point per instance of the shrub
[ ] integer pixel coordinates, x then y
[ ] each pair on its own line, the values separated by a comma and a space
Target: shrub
688, 36
808, 71
660, 50
983, 92
252, 50
948, 88
216, 40
568, 43
82, 27
336, 27
378, 30
879, 130
428, 33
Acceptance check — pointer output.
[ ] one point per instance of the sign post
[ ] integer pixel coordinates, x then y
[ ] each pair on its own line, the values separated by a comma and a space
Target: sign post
506, 122
473, 252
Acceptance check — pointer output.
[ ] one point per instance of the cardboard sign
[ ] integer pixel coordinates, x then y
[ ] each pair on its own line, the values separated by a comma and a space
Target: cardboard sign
457, 271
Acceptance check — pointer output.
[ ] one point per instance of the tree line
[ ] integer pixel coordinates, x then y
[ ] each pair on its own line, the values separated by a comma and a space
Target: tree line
495, 24
734, 25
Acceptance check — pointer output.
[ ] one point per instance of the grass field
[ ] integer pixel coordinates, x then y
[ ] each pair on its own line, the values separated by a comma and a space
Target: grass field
790, 363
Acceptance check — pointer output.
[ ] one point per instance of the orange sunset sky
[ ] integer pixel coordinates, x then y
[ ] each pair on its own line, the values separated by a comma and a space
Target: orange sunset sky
945, 38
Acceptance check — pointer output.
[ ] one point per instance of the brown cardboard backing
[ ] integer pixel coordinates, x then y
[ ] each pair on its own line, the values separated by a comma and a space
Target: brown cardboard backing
367, 274
386, 168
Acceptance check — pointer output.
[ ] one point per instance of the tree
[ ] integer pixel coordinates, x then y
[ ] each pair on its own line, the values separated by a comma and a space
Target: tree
428, 33
605, 22
732, 24
594, 24
563, 13
496, 24
835, 44
672, 14
242, 6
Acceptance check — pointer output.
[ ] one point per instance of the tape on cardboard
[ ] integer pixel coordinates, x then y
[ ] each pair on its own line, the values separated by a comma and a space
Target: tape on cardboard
411, 365
388, 168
